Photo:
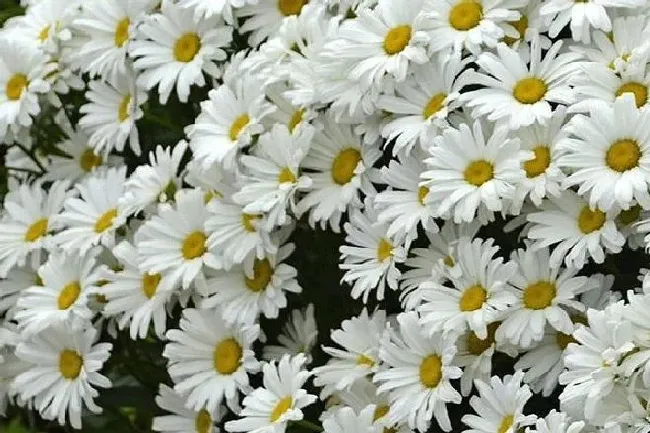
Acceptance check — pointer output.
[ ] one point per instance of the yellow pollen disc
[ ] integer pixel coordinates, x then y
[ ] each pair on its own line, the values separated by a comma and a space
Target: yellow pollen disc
262, 273
44, 33
478, 172
529, 90
283, 405
296, 118
291, 7
68, 295
105, 221
423, 191
208, 196
380, 412
476, 346
627, 217
434, 105
384, 250
563, 340
123, 108
247, 221
472, 298
539, 295
15, 86
449, 261
506, 423
122, 32
227, 356
538, 165
236, 127
70, 363
639, 90
590, 220
623, 155
520, 25
186, 47
203, 422
193, 245
36, 230
364, 360
150, 284
466, 15
344, 164
431, 371
397, 39
89, 160
170, 190
286, 176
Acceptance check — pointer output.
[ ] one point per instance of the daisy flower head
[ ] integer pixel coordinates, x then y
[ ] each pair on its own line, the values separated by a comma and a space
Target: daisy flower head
18, 279
346, 420
268, 409
204, 9
299, 335
45, 25
209, 360
30, 218
479, 296
516, 93
294, 117
228, 120
518, 34
63, 372
170, 48
580, 232
175, 241
180, 418
557, 422
470, 175
264, 19
417, 375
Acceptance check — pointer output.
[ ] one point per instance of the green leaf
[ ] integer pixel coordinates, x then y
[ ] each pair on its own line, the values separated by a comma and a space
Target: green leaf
15, 426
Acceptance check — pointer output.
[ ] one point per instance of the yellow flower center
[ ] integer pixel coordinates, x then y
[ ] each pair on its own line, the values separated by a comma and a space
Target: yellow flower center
449, 261
89, 160
478, 172
431, 371
36, 230
476, 346
397, 39
70, 363
365, 360
283, 405
193, 245
423, 191
101, 298
122, 32
227, 356
623, 155
472, 298
296, 118
384, 250
538, 165
539, 295
170, 190
262, 273
237, 126
44, 33
344, 164
286, 176
291, 7
627, 217
506, 423
529, 90
434, 105
186, 47
150, 284
123, 108
520, 25
209, 195
590, 220
563, 339
380, 412
466, 15
105, 221
247, 221
15, 86
639, 90
203, 422
68, 295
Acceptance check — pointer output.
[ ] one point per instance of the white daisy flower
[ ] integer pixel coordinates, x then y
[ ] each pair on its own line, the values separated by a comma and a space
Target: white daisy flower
417, 375
637, 313
171, 48
299, 335
264, 19
93, 218
10, 365
174, 242
28, 221
61, 296
579, 231
64, 371
519, 33
18, 279
479, 296
209, 360
293, 117
45, 25
208, 8
556, 422
346, 420
359, 337
517, 93
182, 419
270, 408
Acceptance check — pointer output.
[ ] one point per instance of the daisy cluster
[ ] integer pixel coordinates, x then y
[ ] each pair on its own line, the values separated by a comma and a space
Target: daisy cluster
483, 166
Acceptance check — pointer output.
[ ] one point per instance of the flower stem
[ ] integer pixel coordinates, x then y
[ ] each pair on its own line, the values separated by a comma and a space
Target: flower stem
309, 425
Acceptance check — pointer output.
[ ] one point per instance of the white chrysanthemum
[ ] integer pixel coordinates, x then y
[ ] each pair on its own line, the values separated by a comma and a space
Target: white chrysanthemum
182, 419
208, 360
518, 34
579, 231
270, 408
61, 295
174, 242
264, 18
45, 24
295, 118
556, 422
517, 93
299, 335
345, 420
417, 375
63, 372
359, 339
28, 221
480, 292
172, 49
469, 175
208, 8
